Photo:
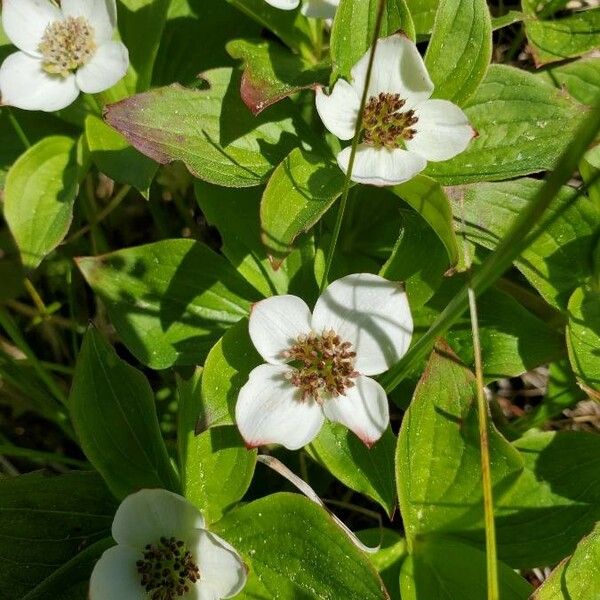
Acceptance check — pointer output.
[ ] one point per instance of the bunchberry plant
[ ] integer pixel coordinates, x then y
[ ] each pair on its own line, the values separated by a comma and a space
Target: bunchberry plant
299, 299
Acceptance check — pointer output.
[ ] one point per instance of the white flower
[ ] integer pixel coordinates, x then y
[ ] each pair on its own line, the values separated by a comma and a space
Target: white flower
319, 9
162, 547
62, 51
318, 365
402, 128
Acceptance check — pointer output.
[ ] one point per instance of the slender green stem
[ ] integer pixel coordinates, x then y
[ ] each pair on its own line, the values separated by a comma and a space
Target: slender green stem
13, 331
112, 205
486, 476
484, 446
357, 131
525, 230
17, 127
39, 456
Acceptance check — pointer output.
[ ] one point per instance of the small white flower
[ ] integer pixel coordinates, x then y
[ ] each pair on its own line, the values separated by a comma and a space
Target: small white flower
163, 551
318, 365
319, 9
62, 51
402, 128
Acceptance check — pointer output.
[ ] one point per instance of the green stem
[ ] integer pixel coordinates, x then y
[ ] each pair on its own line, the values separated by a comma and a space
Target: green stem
484, 446
525, 230
18, 129
357, 131
112, 205
39, 456
13, 331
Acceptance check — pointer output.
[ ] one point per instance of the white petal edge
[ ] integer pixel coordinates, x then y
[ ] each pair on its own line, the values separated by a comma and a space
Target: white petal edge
284, 4
320, 9
275, 323
442, 131
107, 67
100, 14
269, 411
339, 110
372, 314
115, 576
398, 68
363, 409
222, 570
24, 22
145, 516
381, 167
24, 84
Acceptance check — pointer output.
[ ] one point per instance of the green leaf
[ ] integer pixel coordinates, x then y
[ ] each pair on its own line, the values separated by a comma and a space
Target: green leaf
513, 340
520, 123
558, 39
423, 14
581, 78
576, 577
367, 471
427, 197
174, 123
560, 259
310, 186
290, 27
438, 461
216, 468
418, 259
169, 300
226, 370
583, 335
235, 213
38, 198
189, 21
113, 412
542, 517
45, 521
460, 49
272, 72
354, 28
511, 17
71, 581
141, 23
448, 569
36, 126
116, 158
297, 551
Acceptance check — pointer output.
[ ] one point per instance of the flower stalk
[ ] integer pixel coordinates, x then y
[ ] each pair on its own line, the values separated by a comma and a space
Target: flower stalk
355, 140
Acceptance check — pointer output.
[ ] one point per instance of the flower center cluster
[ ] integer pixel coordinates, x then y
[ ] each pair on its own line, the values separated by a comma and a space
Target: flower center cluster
383, 123
324, 365
67, 45
167, 569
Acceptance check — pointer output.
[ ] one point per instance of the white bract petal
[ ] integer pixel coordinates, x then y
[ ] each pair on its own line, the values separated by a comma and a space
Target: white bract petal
115, 576
25, 21
397, 68
107, 67
275, 323
372, 314
270, 410
320, 9
223, 573
363, 409
100, 14
148, 515
380, 166
339, 110
442, 130
284, 4
24, 84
